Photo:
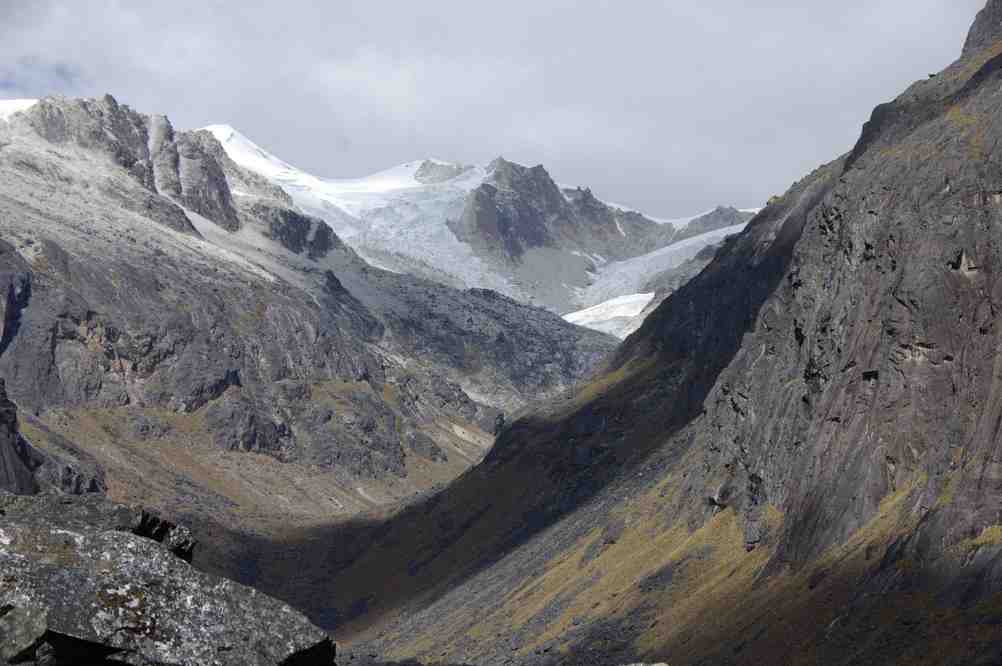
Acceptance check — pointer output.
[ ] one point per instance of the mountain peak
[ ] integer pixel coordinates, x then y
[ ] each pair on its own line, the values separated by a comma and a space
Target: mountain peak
987, 29
246, 153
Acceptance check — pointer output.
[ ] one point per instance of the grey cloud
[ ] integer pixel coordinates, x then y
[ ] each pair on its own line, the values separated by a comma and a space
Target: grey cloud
668, 106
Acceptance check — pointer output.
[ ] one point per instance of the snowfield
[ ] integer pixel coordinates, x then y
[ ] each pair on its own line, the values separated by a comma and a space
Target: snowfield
8, 107
619, 316
627, 277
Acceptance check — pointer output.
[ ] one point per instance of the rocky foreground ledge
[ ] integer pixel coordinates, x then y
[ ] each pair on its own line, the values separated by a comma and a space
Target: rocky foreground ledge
86, 581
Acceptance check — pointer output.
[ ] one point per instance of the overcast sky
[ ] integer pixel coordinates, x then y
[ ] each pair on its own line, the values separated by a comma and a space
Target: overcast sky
665, 105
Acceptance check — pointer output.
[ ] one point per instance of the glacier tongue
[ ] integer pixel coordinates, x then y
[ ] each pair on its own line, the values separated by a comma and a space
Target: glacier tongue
619, 316
627, 277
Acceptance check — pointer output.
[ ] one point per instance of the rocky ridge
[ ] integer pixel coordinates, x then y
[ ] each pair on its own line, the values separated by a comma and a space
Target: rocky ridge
558, 241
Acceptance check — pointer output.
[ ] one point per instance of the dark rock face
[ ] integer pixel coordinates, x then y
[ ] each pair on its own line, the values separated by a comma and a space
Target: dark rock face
15, 475
521, 208
296, 232
203, 184
26, 469
513, 213
86, 583
987, 30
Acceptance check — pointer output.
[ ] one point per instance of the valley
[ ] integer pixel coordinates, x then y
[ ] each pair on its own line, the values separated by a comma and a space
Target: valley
461, 414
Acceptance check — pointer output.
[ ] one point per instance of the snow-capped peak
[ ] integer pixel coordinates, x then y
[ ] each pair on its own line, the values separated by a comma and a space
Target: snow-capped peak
248, 154
8, 107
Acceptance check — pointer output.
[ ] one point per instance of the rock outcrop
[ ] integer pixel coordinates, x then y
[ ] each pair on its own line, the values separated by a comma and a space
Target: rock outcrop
25, 469
15, 473
86, 582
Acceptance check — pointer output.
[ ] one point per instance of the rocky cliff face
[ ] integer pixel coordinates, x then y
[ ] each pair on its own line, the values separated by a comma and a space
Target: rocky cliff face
796, 457
25, 469
15, 474
519, 209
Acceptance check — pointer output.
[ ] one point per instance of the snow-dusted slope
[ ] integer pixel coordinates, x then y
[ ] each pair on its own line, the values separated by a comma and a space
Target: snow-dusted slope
392, 218
8, 107
619, 316
398, 219
628, 277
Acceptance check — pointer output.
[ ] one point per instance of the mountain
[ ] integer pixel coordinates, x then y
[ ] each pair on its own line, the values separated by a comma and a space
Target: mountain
503, 227
175, 330
795, 459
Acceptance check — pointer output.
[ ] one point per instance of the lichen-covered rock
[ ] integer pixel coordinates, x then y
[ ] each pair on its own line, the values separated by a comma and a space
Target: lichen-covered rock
76, 566
22, 630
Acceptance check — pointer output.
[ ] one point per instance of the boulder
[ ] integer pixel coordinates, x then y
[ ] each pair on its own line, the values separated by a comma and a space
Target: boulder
83, 580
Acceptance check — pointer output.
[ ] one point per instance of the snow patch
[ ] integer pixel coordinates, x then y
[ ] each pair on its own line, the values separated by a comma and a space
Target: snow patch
622, 306
629, 276
8, 107
248, 154
618, 316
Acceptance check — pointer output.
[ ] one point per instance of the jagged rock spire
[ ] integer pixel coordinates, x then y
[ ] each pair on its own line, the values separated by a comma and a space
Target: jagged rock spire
987, 28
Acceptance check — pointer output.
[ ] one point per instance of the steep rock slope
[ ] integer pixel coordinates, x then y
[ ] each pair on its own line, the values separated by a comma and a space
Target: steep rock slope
794, 460
504, 227
225, 356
